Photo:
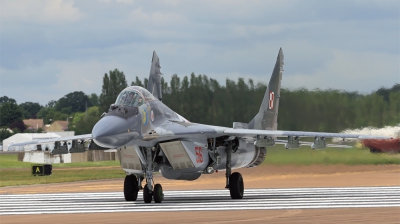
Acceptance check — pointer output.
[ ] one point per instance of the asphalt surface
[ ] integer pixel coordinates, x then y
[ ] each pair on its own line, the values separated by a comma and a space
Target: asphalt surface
204, 200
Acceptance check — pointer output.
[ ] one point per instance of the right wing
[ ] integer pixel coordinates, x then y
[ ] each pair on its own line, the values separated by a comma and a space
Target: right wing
279, 133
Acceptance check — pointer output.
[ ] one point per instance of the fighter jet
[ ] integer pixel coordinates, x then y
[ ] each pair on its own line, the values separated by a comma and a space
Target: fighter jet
150, 137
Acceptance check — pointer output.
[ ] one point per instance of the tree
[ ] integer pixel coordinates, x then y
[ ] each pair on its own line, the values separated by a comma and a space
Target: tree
9, 112
137, 82
51, 103
386, 92
30, 109
18, 124
44, 112
50, 114
78, 101
113, 84
164, 86
83, 124
204, 100
104, 99
5, 99
94, 99
4, 133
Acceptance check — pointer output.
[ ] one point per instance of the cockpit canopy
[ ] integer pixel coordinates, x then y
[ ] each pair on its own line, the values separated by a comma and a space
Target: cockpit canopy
134, 96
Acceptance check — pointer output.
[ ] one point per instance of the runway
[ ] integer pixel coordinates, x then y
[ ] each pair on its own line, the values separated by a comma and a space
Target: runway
205, 200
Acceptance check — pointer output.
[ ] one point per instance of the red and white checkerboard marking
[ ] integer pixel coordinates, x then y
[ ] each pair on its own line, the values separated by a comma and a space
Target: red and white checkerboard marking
271, 100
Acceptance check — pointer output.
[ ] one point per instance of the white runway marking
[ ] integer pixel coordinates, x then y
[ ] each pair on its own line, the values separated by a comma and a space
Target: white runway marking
254, 199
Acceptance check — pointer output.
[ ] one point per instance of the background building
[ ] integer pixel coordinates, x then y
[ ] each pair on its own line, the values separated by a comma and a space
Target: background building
57, 126
34, 124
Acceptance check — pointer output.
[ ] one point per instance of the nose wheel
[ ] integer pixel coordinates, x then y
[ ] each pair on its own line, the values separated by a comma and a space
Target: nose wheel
158, 194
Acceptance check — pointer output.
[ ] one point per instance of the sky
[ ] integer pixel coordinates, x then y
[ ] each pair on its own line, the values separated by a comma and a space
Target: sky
49, 48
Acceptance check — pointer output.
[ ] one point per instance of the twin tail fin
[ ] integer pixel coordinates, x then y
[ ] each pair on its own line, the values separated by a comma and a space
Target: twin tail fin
267, 116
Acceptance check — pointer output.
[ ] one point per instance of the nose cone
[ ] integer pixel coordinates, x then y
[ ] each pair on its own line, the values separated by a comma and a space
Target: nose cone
113, 132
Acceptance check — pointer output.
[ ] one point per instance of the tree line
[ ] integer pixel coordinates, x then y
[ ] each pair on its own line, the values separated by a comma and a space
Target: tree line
204, 100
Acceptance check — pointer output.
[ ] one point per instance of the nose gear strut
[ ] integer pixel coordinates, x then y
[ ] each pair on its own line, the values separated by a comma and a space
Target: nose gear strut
148, 191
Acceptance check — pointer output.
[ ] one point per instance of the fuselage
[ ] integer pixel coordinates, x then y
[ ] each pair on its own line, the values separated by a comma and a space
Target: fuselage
138, 120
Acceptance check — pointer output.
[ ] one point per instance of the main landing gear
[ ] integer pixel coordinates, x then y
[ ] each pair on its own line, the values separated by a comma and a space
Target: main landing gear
131, 188
132, 184
234, 181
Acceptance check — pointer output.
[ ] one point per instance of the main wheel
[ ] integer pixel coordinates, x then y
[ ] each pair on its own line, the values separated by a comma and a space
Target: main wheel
147, 196
236, 186
131, 188
158, 194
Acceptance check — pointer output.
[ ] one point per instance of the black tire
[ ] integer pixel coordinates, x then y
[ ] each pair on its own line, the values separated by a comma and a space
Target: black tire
131, 188
236, 186
147, 196
158, 194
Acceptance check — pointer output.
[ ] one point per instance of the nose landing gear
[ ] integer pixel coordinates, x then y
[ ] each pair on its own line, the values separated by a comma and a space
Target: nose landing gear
157, 194
131, 190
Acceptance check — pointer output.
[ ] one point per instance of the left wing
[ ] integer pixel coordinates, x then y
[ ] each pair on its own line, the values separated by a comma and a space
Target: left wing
278, 141
176, 130
267, 137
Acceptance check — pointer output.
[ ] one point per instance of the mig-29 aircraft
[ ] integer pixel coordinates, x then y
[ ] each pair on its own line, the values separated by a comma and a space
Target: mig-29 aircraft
150, 137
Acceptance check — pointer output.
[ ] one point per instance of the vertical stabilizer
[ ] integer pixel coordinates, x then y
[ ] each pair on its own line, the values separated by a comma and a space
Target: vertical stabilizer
154, 85
267, 117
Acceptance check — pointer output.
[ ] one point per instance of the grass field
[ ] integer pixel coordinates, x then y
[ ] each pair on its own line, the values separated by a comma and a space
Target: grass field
14, 173
19, 177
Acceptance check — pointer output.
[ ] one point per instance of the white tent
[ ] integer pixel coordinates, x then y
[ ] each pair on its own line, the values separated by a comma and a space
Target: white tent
26, 137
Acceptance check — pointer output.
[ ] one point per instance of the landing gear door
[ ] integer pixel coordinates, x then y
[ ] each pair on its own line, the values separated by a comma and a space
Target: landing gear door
177, 155
129, 159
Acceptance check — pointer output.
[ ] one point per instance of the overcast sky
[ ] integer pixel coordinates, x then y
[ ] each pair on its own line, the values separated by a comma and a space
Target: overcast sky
50, 48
